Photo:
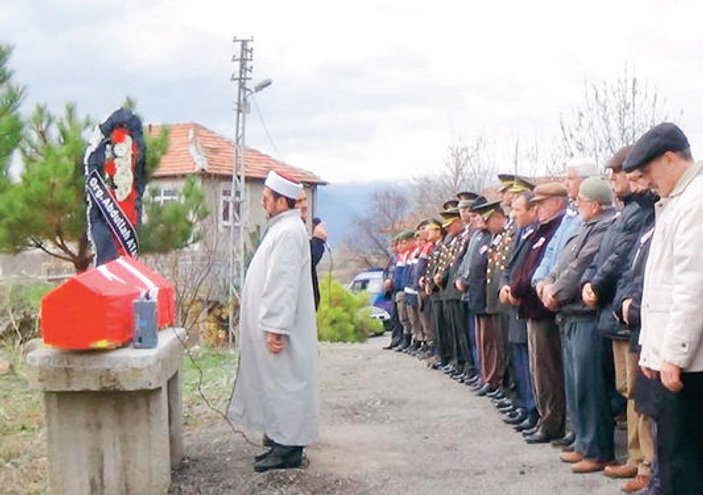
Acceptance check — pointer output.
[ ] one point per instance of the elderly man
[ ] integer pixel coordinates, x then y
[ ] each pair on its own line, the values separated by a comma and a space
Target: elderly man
544, 344
277, 388
587, 396
672, 327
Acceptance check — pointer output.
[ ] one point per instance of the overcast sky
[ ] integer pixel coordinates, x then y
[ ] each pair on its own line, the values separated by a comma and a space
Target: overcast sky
362, 90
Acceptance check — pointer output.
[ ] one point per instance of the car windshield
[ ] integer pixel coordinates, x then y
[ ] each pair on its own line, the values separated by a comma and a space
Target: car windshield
373, 285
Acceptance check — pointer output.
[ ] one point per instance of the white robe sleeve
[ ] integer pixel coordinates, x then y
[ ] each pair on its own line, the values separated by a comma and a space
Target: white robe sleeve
280, 293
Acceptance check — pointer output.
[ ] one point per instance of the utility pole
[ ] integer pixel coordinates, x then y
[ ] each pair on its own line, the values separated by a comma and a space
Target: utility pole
238, 192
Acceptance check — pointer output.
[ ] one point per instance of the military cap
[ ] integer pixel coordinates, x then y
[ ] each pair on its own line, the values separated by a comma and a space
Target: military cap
549, 190
654, 143
406, 234
448, 221
478, 202
486, 208
452, 203
465, 203
506, 181
466, 196
597, 189
450, 213
422, 224
433, 223
521, 185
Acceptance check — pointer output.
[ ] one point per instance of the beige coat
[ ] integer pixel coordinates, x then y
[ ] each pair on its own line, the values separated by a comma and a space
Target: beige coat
672, 301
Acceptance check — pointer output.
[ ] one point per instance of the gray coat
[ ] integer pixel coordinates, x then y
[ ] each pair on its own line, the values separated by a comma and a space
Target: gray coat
573, 262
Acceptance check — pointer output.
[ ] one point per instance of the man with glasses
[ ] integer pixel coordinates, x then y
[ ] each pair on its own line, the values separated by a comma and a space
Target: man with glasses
587, 398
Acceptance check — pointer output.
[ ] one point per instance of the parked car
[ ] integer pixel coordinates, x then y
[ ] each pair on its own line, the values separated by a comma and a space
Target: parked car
372, 282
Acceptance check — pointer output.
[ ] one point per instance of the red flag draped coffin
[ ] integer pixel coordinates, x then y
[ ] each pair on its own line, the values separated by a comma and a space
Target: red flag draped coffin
94, 310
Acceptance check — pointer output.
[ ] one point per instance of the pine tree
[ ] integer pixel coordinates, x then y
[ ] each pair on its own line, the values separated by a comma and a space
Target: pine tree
46, 208
11, 96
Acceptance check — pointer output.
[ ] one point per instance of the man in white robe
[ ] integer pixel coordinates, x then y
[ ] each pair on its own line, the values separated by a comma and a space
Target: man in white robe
277, 387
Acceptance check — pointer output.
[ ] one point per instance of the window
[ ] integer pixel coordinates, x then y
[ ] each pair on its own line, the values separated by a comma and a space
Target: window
164, 195
226, 207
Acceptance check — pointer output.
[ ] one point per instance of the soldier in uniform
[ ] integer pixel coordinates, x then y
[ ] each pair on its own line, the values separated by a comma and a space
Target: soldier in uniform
436, 266
434, 234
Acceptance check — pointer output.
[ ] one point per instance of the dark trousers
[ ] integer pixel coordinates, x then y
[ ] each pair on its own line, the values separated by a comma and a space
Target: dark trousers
456, 318
396, 327
471, 339
680, 437
587, 394
544, 346
523, 381
443, 351
490, 337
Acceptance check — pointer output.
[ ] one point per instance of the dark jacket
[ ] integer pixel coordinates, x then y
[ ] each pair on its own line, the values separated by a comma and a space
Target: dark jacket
499, 254
611, 262
521, 273
317, 250
573, 262
517, 326
456, 256
631, 283
472, 272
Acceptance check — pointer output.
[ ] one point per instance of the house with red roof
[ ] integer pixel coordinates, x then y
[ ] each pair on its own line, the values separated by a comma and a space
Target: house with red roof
195, 150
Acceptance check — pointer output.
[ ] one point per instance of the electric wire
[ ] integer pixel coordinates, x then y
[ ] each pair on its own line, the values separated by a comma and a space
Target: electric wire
202, 394
263, 123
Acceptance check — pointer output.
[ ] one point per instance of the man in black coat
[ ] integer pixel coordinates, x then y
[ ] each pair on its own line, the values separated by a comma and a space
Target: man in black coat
599, 288
641, 392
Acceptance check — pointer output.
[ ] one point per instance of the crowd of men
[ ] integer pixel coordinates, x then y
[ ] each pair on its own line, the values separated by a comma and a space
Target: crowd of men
571, 303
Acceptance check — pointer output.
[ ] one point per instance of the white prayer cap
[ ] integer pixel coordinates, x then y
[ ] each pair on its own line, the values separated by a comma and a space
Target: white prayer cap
282, 185
584, 167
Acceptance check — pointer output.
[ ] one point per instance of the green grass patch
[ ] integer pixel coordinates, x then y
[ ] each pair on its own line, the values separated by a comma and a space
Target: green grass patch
218, 366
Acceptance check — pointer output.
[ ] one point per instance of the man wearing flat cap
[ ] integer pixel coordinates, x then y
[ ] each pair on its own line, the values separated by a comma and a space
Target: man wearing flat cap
672, 327
543, 339
277, 386
587, 397
577, 170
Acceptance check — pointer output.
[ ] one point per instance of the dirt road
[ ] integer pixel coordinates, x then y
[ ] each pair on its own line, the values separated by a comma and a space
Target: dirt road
390, 425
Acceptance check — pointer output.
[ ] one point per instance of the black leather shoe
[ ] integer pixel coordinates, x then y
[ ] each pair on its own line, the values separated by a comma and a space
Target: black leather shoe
486, 389
267, 442
508, 409
531, 431
496, 394
263, 456
538, 437
448, 370
515, 419
280, 458
474, 379
475, 387
502, 402
567, 439
529, 423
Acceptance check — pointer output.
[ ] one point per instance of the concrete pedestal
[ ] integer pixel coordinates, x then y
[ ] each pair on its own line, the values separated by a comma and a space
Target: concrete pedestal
113, 417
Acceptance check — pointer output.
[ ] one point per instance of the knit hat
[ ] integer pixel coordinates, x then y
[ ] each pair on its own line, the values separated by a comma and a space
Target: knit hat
597, 189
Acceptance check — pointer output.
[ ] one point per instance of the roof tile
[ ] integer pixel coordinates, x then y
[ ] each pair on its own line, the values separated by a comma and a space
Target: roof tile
194, 148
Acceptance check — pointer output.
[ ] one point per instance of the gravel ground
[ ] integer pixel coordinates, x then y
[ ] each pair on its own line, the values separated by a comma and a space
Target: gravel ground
389, 425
